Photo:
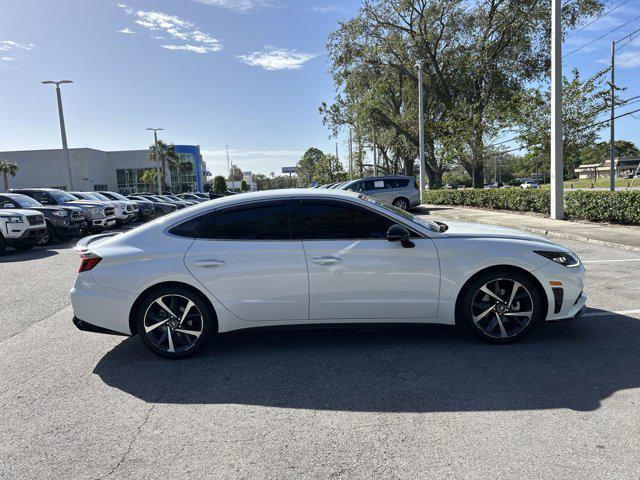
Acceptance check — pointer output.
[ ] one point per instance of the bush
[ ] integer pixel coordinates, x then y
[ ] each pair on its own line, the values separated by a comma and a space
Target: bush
597, 206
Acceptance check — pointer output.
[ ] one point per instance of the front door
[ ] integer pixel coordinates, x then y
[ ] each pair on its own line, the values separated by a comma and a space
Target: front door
245, 257
356, 273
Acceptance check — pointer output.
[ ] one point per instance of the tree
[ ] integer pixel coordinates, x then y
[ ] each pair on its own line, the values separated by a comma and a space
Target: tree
598, 152
235, 174
166, 154
219, 185
149, 177
244, 186
8, 168
307, 164
274, 182
180, 165
328, 169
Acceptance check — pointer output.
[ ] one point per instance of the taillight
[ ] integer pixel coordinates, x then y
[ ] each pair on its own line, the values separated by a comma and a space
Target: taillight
88, 263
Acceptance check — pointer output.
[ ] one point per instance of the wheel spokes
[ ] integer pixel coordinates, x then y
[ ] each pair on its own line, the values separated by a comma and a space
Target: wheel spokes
160, 301
486, 290
182, 327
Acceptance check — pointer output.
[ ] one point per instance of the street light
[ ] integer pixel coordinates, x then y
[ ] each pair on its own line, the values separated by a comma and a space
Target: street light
63, 130
155, 144
557, 185
421, 125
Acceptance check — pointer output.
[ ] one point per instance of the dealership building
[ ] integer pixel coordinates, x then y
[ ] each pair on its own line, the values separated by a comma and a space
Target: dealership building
92, 169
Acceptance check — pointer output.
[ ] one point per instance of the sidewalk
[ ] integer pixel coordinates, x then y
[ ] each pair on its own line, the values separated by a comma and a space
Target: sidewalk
619, 236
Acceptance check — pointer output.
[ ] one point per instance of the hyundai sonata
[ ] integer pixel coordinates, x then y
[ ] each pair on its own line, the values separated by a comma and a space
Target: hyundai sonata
316, 256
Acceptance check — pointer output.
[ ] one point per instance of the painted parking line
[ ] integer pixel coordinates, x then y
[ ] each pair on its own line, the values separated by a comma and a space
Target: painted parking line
602, 314
611, 261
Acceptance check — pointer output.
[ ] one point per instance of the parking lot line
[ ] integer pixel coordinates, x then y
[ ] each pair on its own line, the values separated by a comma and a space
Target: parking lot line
614, 260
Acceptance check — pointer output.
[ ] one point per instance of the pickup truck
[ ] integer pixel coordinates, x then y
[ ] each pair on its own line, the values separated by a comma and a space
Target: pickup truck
21, 229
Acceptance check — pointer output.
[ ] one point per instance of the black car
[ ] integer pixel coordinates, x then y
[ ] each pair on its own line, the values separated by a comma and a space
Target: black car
161, 207
63, 222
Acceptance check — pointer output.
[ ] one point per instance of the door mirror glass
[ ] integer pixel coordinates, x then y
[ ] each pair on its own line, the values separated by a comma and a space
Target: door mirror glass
398, 233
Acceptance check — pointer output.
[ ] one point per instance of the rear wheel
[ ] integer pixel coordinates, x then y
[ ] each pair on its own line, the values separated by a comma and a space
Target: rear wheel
500, 307
3, 244
401, 203
174, 322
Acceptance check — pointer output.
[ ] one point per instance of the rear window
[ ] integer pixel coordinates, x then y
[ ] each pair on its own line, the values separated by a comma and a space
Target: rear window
397, 182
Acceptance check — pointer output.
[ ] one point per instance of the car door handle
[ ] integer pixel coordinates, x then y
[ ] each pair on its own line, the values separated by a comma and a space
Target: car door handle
209, 263
326, 260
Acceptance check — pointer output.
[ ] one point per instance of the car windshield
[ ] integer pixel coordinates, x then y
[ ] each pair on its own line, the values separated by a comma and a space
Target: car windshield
62, 196
25, 202
117, 196
433, 226
99, 196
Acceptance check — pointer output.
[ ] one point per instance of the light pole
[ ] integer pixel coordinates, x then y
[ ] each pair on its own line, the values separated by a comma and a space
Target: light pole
557, 197
155, 150
63, 130
612, 140
421, 125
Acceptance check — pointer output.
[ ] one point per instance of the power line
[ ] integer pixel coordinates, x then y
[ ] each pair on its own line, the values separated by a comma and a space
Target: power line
630, 37
625, 61
596, 19
600, 37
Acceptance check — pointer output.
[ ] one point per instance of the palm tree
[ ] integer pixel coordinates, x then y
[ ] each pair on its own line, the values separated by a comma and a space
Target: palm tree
8, 168
149, 178
180, 164
166, 153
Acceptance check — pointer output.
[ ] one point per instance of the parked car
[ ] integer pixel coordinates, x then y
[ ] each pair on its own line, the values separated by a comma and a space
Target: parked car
62, 222
160, 206
529, 184
400, 191
135, 206
21, 228
311, 256
213, 195
192, 197
122, 211
175, 198
98, 215
179, 203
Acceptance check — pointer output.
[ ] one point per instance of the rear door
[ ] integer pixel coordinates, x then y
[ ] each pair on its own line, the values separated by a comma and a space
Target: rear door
356, 273
246, 258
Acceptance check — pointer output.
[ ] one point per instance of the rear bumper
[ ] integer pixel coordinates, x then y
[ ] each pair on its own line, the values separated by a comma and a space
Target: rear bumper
87, 327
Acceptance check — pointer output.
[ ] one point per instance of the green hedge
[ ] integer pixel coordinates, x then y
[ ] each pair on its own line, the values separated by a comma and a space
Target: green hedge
598, 206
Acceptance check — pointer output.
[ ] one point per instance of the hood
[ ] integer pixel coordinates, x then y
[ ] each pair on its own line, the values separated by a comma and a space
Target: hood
12, 212
476, 230
87, 203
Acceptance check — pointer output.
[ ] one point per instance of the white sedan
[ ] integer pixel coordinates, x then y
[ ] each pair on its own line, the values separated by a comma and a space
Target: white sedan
316, 256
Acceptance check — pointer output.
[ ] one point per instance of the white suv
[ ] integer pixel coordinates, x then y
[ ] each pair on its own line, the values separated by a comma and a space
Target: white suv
21, 229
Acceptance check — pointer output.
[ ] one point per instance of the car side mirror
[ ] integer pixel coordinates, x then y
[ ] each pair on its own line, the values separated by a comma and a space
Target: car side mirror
398, 233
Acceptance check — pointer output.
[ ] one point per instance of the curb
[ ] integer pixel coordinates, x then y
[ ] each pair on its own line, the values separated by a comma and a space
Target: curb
547, 233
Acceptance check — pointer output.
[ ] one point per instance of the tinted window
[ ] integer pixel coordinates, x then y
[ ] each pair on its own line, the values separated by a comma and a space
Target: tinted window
325, 220
265, 222
396, 183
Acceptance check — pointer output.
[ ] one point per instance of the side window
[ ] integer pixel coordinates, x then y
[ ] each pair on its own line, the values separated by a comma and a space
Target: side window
335, 221
260, 222
396, 183
355, 187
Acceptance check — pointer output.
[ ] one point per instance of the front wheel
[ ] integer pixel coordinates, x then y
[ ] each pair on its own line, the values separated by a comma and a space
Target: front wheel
500, 307
174, 322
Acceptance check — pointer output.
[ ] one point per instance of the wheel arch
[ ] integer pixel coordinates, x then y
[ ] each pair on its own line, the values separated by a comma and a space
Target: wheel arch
403, 198
541, 291
186, 286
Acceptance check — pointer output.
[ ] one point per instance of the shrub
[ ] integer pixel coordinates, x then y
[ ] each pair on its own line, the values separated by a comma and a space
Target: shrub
597, 206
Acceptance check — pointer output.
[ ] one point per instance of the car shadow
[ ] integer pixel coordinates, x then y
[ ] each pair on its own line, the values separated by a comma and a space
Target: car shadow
11, 255
572, 365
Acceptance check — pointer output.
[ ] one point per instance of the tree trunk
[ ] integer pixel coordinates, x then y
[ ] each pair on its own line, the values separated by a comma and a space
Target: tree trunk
478, 175
408, 166
6, 181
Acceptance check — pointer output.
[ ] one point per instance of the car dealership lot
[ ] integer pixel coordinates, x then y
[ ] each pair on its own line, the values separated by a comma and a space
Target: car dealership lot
369, 403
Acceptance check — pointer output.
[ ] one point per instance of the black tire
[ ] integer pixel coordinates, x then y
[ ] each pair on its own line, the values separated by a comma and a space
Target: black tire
52, 236
507, 321
3, 245
401, 203
202, 321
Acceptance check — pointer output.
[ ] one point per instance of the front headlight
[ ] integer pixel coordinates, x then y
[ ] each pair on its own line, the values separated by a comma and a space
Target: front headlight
15, 219
96, 211
60, 213
560, 257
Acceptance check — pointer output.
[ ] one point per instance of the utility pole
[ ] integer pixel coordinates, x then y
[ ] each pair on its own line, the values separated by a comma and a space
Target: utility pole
421, 125
557, 196
375, 154
350, 156
155, 150
63, 130
228, 162
612, 144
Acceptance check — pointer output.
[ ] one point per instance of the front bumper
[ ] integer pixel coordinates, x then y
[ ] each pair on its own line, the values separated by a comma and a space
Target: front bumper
573, 298
30, 236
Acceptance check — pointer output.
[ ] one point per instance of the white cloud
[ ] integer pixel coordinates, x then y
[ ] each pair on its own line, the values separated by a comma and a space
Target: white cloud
272, 58
127, 31
191, 38
327, 9
257, 161
241, 5
192, 48
7, 59
628, 59
13, 50
126, 8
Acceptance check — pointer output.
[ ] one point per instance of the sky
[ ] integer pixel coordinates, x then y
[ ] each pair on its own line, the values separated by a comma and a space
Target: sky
249, 74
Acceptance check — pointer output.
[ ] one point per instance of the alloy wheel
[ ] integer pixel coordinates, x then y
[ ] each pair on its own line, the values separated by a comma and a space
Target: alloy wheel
400, 203
173, 323
502, 308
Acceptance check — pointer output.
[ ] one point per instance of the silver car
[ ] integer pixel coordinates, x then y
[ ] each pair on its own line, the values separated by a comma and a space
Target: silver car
397, 190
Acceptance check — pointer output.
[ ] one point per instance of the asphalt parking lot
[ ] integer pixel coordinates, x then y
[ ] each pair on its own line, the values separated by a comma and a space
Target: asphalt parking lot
368, 403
